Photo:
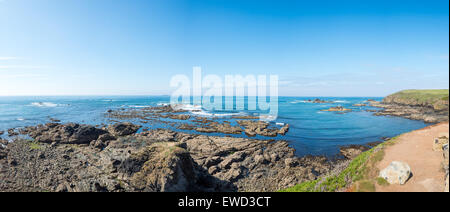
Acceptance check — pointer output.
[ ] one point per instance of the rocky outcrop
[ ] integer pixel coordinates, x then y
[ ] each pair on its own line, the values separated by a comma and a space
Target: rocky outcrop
338, 109
214, 127
166, 167
123, 129
253, 128
69, 133
430, 106
352, 151
65, 157
396, 173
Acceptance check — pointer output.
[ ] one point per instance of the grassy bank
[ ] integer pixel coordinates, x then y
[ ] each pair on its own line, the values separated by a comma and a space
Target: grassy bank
434, 98
360, 175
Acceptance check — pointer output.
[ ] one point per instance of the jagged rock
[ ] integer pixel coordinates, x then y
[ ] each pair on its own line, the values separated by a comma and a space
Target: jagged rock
284, 130
290, 162
123, 129
338, 109
352, 151
67, 134
3, 142
155, 160
12, 132
169, 168
439, 143
396, 173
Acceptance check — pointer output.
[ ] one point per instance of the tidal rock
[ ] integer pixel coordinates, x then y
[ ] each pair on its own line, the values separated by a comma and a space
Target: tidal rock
12, 132
123, 129
338, 109
396, 173
352, 151
359, 105
65, 134
284, 130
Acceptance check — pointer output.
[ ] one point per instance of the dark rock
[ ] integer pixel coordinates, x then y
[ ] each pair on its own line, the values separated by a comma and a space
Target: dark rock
352, 151
123, 129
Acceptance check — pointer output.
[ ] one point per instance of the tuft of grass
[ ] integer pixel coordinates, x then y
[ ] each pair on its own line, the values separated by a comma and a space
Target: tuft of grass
382, 182
365, 186
35, 145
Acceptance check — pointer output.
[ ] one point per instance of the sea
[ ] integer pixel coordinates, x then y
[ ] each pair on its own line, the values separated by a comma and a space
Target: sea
312, 131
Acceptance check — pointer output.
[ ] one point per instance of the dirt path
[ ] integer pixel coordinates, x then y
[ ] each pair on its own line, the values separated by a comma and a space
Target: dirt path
415, 148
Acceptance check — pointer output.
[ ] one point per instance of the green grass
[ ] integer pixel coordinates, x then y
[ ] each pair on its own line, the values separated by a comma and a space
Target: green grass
360, 171
382, 182
35, 145
366, 186
433, 98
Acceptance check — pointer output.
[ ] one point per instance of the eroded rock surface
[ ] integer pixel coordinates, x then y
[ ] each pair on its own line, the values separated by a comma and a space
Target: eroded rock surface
71, 157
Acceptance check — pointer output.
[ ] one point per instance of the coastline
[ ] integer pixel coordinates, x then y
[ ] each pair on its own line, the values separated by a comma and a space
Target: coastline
125, 156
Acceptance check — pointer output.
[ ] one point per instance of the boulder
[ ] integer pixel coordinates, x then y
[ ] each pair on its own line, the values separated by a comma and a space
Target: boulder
123, 129
396, 173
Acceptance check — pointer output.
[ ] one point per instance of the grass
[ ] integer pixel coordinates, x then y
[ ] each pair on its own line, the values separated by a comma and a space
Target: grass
35, 145
361, 173
434, 98
382, 182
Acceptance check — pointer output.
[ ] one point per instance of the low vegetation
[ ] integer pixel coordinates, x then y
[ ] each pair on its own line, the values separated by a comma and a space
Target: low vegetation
34, 145
435, 98
360, 175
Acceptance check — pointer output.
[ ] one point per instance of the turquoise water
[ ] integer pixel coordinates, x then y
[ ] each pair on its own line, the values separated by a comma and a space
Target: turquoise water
312, 131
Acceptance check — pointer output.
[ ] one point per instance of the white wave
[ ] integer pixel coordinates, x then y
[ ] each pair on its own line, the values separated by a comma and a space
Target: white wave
341, 101
138, 106
268, 118
205, 113
44, 104
280, 124
300, 101
20, 119
163, 104
187, 107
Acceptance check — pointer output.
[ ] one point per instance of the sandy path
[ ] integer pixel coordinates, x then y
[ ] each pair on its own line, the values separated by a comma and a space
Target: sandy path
415, 148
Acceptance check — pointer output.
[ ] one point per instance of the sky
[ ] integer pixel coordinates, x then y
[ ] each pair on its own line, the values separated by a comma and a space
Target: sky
134, 47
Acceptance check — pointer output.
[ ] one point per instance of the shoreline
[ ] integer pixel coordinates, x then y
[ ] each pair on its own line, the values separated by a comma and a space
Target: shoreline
125, 156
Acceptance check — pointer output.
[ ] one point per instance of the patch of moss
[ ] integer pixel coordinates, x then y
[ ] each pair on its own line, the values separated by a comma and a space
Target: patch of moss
382, 182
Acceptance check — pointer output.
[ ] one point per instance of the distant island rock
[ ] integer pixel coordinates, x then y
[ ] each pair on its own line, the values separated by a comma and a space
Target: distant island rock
338, 109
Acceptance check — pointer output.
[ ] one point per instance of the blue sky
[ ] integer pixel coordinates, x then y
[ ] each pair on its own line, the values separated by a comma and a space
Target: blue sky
134, 47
